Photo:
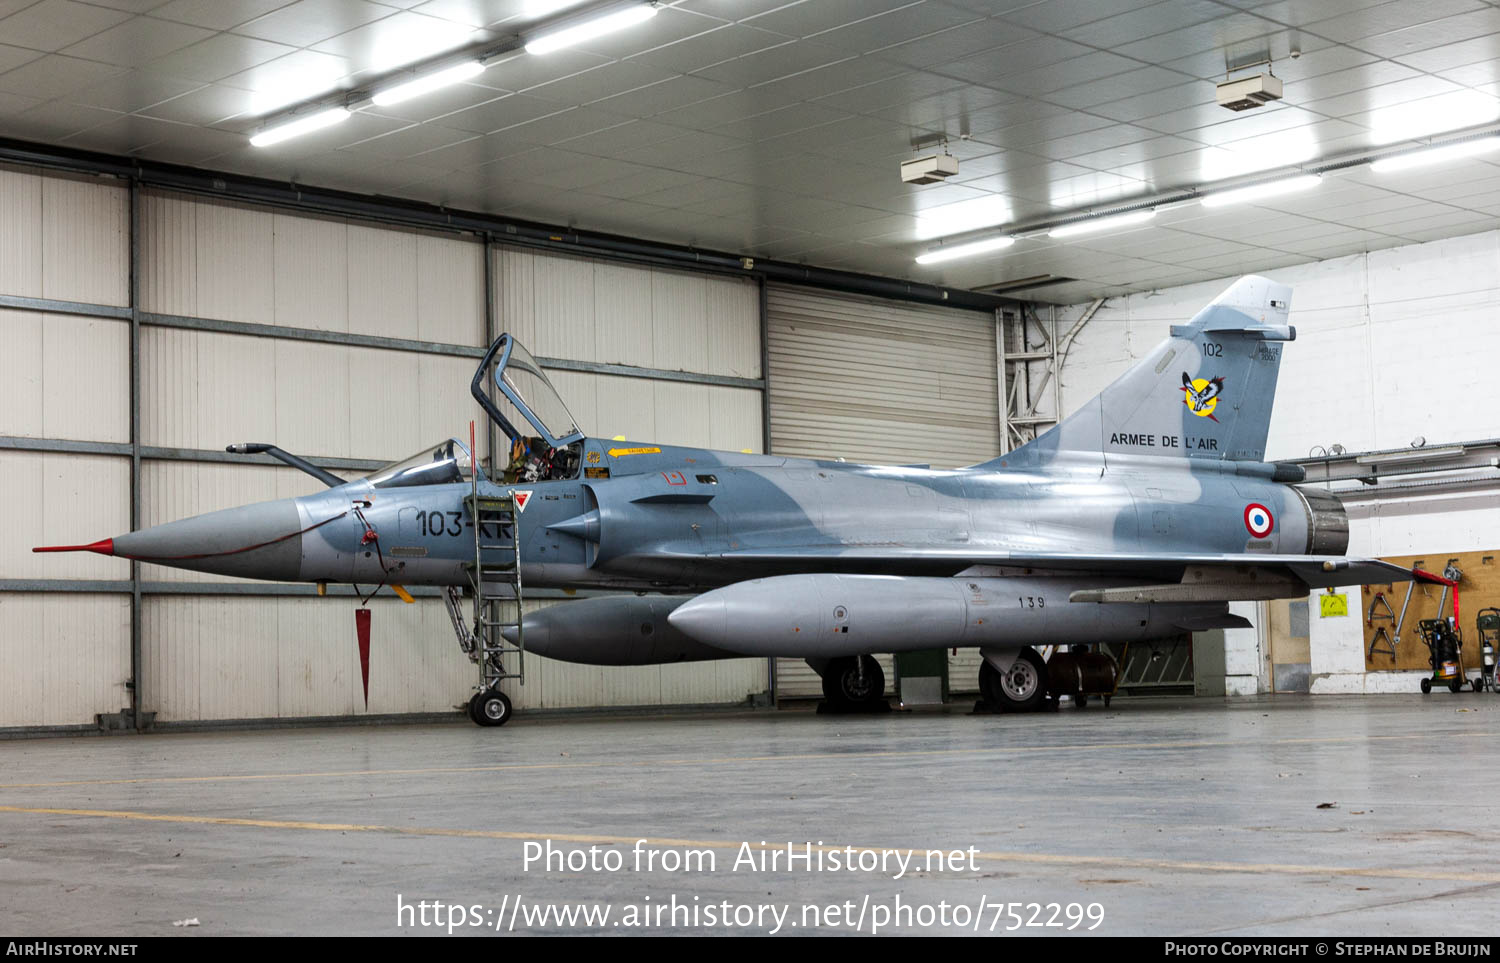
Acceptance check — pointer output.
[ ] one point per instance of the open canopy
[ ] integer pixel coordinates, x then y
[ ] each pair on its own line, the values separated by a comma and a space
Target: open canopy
524, 396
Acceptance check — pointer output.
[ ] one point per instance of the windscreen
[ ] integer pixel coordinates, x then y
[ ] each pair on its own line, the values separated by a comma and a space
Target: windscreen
440, 465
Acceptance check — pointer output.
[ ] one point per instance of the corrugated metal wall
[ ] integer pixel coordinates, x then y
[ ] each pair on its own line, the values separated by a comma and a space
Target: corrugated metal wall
206, 266
63, 657
883, 382
207, 269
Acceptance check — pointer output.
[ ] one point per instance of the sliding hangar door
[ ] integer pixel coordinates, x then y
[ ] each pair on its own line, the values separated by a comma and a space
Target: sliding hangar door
882, 382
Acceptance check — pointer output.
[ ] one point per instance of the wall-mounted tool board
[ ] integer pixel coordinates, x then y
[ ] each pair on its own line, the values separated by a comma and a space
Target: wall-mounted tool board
1479, 588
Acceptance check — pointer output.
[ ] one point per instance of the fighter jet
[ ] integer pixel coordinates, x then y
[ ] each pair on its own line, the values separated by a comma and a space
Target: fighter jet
1139, 516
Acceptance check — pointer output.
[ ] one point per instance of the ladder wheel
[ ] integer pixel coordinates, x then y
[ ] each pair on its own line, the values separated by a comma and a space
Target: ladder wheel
490, 708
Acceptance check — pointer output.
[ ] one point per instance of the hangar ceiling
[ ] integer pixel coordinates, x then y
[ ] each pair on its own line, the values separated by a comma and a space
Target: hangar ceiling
775, 129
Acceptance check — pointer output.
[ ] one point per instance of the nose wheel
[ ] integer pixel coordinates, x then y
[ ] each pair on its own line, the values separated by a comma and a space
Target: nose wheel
490, 707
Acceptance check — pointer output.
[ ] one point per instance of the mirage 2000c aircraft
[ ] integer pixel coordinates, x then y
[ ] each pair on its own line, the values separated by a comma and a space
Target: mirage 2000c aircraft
1139, 516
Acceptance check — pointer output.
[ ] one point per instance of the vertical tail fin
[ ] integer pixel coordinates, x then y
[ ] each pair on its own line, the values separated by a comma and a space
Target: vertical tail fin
1205, 392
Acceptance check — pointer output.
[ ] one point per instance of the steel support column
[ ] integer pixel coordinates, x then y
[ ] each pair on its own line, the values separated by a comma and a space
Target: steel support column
765, 423
137, 681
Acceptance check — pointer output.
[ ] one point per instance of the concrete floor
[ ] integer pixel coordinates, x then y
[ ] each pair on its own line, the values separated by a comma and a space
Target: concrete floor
1182, 817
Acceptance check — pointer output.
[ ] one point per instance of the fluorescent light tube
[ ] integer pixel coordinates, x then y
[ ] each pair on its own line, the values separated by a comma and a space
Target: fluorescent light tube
1256, 192
940, 254
1102, 224
1416, 454
299, 126
433, 81
586, 30
1435, 155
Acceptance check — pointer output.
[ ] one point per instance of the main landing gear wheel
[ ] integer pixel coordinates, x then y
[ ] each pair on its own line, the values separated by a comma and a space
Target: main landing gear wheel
853, 683
1021, 688
490, 708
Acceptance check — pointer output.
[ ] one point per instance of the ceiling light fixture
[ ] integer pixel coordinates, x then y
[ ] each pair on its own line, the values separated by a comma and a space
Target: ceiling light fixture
422, 85
298, 126
1434, 155
1102, 223
580, 31
1255, 192
940, 254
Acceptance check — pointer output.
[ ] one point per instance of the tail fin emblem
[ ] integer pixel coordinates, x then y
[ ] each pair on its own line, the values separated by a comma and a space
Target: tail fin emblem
1201, 395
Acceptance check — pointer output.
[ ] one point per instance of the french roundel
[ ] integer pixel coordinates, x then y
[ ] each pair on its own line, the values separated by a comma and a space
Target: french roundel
1258, 520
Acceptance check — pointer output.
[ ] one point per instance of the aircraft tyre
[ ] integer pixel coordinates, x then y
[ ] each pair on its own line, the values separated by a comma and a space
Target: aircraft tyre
490, 708
844, 688
1022, 688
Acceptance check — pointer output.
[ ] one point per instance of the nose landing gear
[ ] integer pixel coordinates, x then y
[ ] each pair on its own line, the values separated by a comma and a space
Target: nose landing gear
490, 707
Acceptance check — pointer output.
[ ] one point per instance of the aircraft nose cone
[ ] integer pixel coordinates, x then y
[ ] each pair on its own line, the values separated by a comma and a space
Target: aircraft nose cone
703, 618
261, 541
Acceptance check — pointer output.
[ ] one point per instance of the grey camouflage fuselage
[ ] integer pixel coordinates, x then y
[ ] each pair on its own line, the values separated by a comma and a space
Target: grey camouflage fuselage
1157, 483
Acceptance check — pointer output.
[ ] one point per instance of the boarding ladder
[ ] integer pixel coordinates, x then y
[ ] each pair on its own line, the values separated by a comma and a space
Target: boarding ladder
494, 586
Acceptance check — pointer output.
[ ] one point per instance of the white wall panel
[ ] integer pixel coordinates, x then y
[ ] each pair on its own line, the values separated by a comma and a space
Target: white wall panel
213, 259
588, 310
168, 253
235, 266
563, 289
85, 240
735, 417
733, 345
315, 398
64, 237
679, 320
450, 290
22, 386
60, 499
311, 272
63, 657
20, 233
64, 376
382, 282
